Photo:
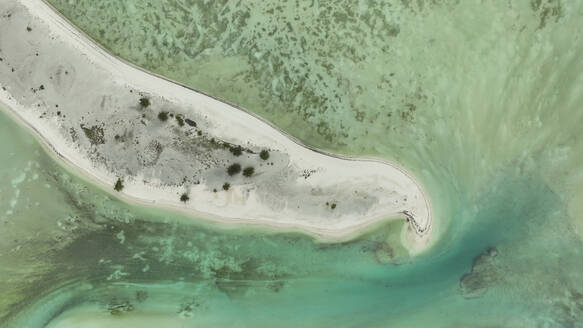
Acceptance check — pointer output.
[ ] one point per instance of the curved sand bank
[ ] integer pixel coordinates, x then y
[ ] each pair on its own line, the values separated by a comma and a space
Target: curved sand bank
84, 104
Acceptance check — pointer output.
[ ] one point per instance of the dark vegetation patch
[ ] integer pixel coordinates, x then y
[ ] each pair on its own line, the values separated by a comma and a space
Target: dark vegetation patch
248, 171
163, 116
144, 102
237, 150
180, 120
226, 186
94, 134
118, 185
184, 197
234, 169
264, 155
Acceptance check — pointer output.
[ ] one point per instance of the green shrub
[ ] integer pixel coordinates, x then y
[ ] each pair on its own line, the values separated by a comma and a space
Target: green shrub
144, 102
248, 171
179, 120
234, 169
163, 116
95, 134
237, 151
333, 206
264, 155
184, 198
226, 186
118, 185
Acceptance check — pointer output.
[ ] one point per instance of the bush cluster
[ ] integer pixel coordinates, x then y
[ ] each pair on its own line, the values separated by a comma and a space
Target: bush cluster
248, 171
234, 169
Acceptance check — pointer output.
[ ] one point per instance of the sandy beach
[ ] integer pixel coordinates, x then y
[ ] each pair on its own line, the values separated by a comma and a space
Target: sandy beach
83, 104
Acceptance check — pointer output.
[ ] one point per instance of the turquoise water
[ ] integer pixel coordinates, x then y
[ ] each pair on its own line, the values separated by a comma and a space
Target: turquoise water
479, 99
104, 253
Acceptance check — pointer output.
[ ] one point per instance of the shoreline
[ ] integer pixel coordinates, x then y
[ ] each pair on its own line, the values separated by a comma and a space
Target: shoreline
319, 234
84, 168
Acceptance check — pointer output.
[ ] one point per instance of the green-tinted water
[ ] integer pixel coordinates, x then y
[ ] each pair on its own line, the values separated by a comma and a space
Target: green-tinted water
453, 90
480, 99
69, 247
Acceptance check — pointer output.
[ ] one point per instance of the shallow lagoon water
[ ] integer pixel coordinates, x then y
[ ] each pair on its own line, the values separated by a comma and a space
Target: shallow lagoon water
92, 261
485, 108
75, 263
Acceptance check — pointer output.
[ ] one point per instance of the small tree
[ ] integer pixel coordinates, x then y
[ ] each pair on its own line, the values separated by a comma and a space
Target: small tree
333, 206
264, 155
184, 198
248, 171
234, 169
163, 116
118, 185
144, 102
226, 186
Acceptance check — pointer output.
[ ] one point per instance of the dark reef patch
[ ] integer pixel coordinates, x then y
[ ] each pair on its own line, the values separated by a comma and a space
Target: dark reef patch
481, 276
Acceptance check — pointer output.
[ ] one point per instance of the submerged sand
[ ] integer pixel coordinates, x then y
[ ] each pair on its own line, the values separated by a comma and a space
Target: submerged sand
85, 105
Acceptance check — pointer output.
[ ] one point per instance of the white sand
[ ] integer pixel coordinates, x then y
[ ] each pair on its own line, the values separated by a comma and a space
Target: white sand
366, 191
